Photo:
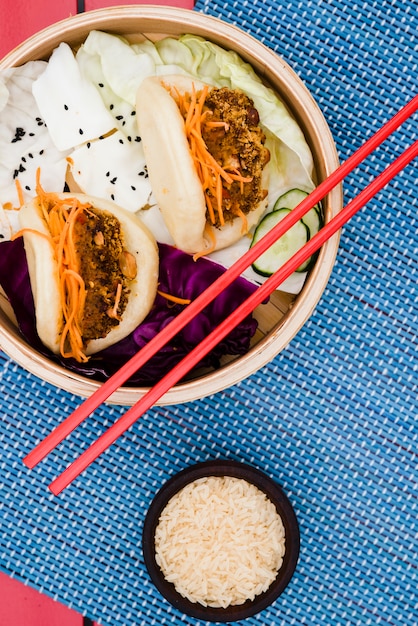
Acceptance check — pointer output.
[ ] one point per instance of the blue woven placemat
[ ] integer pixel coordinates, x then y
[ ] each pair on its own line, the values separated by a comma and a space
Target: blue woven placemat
332, 418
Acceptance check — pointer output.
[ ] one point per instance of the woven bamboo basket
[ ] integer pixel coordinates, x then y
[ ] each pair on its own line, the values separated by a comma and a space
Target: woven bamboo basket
278, 321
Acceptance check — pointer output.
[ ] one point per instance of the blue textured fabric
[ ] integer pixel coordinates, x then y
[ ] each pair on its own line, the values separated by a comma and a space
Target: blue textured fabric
332, 418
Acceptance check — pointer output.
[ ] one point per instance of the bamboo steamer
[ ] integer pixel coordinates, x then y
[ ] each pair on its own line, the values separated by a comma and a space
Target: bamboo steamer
281, 319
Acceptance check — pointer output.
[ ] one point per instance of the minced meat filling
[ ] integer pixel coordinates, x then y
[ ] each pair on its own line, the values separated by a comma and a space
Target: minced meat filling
237, 146
98, 242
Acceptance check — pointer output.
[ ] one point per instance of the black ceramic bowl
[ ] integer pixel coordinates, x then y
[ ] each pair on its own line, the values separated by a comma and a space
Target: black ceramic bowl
284, 509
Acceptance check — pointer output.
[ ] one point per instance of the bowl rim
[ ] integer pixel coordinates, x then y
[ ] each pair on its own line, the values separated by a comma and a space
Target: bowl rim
227, 35
266, 484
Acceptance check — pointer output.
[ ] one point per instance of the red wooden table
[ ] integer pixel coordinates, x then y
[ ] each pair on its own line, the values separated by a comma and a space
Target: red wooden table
19, 19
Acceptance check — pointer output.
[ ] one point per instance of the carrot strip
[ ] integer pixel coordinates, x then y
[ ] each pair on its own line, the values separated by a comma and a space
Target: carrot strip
20, 232
60, 216
73, 292
219, 199
209, 158
211, 173
20, 194
210, 208
172, 298
241, 214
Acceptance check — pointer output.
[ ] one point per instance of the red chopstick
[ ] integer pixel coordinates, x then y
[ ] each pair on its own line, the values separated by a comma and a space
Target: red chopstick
158, 390
170, 379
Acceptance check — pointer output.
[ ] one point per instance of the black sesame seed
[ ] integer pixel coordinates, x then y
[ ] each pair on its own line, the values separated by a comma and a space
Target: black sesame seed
66, 107
101, 85
88, 144
24, 159
111, 107
30, 155
138, 139
21, 168
112, 196
108, 174
27, 187
113, 180
19, 133
81, 131
129, 138
121, 141
133, 112
119, 117
141, 173
31, 134
41, 152
133, 188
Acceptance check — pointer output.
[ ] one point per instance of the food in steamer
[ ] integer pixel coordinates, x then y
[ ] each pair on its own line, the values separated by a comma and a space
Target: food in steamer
93, 270
206, 159
113, 165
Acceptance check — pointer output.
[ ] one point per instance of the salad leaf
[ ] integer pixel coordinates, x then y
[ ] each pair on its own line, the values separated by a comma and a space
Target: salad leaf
123, 68
215, 65
179, 276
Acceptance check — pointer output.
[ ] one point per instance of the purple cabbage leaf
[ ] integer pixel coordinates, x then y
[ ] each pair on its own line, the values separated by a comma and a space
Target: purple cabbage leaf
179, 275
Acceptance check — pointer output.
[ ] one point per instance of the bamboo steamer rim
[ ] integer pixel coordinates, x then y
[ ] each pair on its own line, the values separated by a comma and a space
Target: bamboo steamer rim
157, 21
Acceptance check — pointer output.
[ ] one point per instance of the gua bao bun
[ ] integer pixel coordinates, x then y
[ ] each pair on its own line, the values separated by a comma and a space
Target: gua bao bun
206, 160
93, 269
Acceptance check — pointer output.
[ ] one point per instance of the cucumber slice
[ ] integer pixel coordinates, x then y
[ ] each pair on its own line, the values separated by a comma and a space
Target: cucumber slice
291, 199
284, 248
312, 219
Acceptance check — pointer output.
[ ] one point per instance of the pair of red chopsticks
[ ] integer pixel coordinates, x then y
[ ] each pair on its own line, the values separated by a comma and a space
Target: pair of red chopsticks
170, 379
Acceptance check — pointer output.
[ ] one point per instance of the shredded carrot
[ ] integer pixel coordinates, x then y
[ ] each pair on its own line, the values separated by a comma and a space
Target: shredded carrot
174, 299
213, 176
60, 216
22, 231
244, 228
73, 286
20, 194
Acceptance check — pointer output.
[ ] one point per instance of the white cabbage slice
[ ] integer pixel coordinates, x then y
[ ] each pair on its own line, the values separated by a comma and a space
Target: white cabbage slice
113, 168
122, 111
25, 143
70, 105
